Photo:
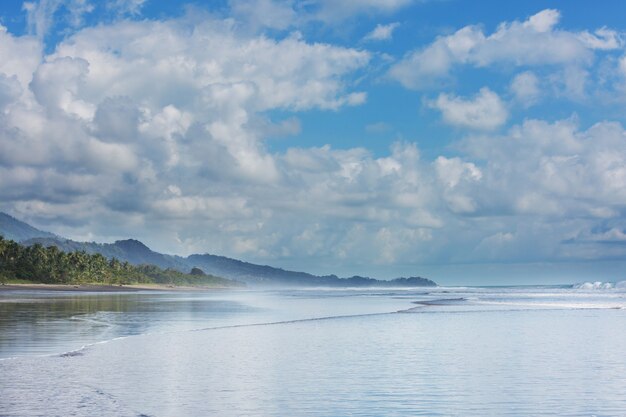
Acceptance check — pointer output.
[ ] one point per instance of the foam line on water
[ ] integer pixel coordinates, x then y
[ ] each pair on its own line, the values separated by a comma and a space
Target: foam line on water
423, 306
422, 310
70, 353
555, 305
81, 351
275, 323
441, 301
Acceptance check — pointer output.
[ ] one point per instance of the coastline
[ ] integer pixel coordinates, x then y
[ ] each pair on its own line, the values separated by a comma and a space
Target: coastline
104, 288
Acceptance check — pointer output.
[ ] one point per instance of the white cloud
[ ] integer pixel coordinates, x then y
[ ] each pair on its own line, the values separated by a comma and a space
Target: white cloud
485, 111
613, 235
265, 13
457, 177
56, 86
120, 112
19, 56
525, 87
333, 11
603, 38
40, 14
10, 91
256, 15
382, 32
155, 130
622, 66
543, 21
212, 66
130, 7
452, 171
571, 82
539, 165
534, 42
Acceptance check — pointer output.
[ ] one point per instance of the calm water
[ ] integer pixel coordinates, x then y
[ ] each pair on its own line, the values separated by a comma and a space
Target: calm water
444, 351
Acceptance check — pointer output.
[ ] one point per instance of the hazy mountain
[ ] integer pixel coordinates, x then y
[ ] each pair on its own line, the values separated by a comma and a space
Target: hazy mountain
268, 275
13, 229
135, 252
130, 250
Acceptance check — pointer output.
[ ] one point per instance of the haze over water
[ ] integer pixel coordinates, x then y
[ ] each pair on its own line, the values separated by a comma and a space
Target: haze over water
445, 351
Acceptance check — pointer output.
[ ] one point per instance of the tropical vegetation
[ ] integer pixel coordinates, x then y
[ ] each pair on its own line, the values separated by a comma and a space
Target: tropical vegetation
50, 265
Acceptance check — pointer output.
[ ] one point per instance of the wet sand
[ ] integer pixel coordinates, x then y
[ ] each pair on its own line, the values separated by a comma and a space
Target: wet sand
104, 288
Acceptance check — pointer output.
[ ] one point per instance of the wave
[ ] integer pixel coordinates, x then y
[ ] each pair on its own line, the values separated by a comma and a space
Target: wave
599, 285
441, 301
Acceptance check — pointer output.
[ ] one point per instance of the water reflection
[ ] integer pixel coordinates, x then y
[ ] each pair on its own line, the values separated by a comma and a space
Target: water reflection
483, 352
40, 323
32, 324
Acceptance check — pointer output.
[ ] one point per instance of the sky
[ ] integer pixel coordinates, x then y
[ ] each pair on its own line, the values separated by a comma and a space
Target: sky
476, 142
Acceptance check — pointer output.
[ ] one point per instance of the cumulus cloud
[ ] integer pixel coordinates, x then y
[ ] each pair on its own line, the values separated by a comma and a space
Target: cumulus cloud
555, 168
525, 87
212, 77
19, 56
603, 38
56, 86
382, 32
485, 111
533, 42
550, 190
455, 174
157, 130
120, 112
212, 66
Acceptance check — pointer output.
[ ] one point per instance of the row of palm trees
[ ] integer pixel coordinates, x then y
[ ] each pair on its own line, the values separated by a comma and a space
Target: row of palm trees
52, 266
49, 265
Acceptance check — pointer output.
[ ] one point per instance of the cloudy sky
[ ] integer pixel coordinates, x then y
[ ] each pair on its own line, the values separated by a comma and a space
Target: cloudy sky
470, 142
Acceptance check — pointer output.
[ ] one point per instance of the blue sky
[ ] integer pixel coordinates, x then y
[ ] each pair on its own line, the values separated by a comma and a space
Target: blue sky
470, 142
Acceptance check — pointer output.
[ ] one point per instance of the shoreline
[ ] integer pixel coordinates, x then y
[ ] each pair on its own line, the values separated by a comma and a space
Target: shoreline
104, 288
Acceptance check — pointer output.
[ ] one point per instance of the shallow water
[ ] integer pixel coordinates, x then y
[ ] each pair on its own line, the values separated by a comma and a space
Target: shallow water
445, 351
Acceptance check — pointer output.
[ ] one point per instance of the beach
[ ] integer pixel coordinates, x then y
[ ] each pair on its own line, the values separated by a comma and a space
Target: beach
104, 288
367, 352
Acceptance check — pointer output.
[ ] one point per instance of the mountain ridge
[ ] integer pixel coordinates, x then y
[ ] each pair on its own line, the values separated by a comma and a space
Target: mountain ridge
17, 230
137, 253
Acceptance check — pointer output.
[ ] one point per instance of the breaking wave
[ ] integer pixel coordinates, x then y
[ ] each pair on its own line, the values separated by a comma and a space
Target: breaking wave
599, 285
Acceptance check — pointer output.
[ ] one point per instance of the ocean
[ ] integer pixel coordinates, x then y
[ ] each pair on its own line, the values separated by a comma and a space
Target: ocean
445, 351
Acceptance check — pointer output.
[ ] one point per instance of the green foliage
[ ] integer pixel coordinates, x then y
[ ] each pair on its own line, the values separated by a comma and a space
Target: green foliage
49, 265
197, 271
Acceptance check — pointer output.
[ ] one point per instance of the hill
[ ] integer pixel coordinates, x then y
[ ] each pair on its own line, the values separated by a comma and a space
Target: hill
137, 253
14, 229
130, 250
49, 265
270, 276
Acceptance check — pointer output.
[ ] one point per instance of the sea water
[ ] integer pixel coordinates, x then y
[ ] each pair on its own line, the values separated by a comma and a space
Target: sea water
319, 352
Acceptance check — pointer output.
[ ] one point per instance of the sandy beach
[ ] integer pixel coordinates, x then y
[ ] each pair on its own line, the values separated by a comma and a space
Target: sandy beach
104, 288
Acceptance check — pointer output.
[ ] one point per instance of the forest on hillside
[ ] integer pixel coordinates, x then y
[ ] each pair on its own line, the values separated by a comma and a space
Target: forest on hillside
49, 265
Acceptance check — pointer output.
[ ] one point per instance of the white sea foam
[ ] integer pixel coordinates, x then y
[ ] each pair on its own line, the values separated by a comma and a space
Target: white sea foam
597, 285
